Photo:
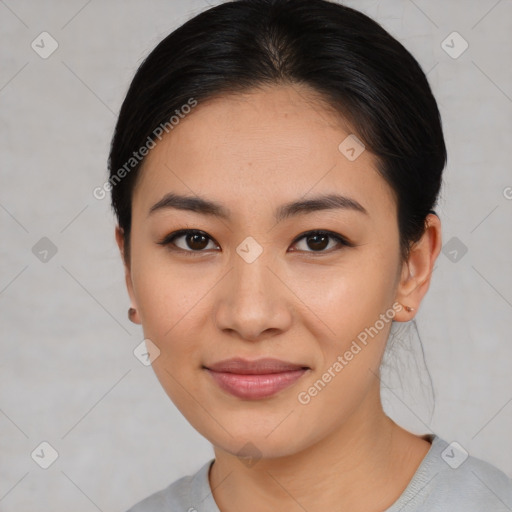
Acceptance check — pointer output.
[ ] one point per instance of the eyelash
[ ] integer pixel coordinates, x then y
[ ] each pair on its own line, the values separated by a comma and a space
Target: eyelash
171, 237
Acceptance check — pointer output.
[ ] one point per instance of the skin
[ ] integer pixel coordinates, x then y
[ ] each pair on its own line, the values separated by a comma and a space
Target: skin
253, 153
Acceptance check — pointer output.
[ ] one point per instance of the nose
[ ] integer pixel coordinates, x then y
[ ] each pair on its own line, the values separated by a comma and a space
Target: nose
253, 302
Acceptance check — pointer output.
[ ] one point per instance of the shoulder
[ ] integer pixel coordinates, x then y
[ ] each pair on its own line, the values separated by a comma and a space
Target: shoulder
449, 479
183, 494
475, 485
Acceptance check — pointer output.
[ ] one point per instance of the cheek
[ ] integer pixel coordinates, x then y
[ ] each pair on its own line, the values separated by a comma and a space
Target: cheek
168, 294
349, 296
354, 305
355, 309
170, 306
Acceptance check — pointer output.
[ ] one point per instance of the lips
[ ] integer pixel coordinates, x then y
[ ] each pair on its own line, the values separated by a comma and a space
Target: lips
255, 379
257, 367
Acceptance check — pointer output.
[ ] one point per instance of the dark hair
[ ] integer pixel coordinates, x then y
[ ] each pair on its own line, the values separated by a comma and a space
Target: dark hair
358, 69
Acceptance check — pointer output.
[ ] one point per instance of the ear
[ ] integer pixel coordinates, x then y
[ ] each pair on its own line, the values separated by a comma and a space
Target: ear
119, 233
417, 270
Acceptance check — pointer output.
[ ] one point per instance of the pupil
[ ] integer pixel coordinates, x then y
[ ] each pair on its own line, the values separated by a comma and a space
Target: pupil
316, 245
194, 241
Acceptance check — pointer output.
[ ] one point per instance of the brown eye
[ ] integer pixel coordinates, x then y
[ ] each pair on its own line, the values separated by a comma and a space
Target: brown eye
318, 241
192, 240
196, 241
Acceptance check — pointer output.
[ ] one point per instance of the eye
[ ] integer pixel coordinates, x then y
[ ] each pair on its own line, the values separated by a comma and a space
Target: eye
194, 241
318, 240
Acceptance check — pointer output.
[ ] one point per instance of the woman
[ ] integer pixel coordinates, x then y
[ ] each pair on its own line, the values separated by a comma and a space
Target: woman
274, 171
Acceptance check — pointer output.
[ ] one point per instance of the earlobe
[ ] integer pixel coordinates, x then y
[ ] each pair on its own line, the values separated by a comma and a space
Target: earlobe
133, 316
417, 270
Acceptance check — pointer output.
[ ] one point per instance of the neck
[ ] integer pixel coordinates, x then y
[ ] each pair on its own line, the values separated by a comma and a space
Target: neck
368, 452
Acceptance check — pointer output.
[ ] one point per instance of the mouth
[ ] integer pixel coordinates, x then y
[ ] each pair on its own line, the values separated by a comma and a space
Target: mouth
252, 380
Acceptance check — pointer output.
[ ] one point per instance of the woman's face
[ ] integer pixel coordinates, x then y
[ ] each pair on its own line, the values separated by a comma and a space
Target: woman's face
254, 286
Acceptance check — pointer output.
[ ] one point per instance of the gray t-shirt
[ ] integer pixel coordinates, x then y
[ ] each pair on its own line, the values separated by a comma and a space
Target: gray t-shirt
447, 480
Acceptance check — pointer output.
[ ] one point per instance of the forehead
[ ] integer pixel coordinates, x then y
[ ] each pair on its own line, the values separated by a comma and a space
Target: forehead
251, 150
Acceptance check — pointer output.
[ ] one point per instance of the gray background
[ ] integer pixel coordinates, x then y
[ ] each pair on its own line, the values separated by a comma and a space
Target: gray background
68, 375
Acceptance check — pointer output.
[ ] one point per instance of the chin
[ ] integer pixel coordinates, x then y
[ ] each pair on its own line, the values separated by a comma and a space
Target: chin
249, 442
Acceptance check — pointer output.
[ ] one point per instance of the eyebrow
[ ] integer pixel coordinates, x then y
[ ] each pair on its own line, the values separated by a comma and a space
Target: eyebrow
206, 207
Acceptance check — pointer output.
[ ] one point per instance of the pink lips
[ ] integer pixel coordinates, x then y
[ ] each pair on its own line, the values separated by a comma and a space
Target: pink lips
255, 379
